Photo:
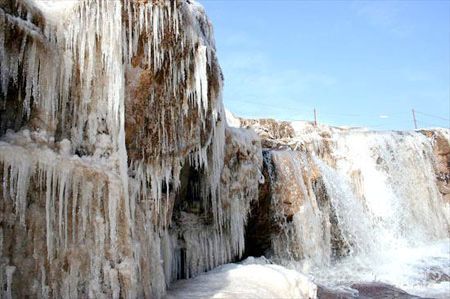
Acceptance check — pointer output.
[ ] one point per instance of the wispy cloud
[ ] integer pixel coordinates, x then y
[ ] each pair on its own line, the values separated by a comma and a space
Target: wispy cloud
239, 39
253, 78
417, 76
385, 15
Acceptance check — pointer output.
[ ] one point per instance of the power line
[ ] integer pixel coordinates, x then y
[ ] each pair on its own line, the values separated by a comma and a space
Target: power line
303, 108
431, 115
429, 125
398, 117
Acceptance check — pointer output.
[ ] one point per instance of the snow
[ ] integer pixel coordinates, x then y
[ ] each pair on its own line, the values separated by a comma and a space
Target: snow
253, 278
56, 7
232, 120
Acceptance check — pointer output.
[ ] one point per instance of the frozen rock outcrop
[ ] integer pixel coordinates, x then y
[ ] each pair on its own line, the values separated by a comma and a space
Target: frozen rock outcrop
119, 173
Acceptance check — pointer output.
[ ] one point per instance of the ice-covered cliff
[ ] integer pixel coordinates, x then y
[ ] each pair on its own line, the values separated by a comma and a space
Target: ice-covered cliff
118, 172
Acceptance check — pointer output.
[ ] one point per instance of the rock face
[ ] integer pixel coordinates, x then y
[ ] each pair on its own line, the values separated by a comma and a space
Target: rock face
119, 173
272, 132
366, 291
441, 149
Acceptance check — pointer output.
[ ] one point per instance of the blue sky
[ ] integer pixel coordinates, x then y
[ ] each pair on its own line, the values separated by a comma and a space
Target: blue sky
361, 63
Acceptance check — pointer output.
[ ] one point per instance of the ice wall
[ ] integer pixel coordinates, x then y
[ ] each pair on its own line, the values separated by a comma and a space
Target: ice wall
118, 172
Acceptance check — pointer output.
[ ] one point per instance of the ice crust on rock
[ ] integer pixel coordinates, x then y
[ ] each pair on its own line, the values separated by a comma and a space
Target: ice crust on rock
113, 157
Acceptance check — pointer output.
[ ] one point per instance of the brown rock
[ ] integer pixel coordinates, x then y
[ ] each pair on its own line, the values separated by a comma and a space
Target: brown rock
380, 291
270, 130
441, 149
370, 290
289, 183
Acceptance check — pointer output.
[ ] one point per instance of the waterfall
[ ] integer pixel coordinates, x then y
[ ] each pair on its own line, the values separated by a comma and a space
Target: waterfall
364, 198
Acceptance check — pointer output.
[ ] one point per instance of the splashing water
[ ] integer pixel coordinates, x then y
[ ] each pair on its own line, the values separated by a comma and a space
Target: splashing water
380, 213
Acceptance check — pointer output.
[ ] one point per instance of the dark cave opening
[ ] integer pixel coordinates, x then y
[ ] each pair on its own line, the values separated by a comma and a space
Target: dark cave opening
260, 225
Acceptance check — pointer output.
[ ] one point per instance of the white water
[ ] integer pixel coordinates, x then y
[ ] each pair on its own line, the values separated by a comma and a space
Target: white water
388, 210
408, 268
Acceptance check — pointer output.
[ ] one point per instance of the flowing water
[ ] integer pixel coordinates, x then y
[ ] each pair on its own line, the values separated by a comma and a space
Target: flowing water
381, 216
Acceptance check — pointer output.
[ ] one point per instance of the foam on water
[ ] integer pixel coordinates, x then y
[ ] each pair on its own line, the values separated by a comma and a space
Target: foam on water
422, 270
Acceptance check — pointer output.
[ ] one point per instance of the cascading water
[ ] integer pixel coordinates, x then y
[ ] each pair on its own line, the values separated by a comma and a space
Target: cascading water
370, 210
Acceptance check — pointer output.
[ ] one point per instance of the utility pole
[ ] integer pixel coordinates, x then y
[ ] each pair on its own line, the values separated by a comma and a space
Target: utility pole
315, 117
414, 118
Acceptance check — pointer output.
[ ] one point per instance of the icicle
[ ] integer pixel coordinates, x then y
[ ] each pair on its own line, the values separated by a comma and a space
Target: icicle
9, 275
1, 242
201, 80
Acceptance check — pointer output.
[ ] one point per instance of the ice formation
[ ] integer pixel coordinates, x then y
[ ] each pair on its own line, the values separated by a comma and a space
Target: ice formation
116, 175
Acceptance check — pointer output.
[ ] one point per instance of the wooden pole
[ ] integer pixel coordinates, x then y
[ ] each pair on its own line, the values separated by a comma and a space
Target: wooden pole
315, 117
414, 118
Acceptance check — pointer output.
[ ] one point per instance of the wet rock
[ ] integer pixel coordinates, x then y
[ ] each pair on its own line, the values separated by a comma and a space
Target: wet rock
437, 274
441, 149
370, 290
288, 184
380, 291
327, 293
